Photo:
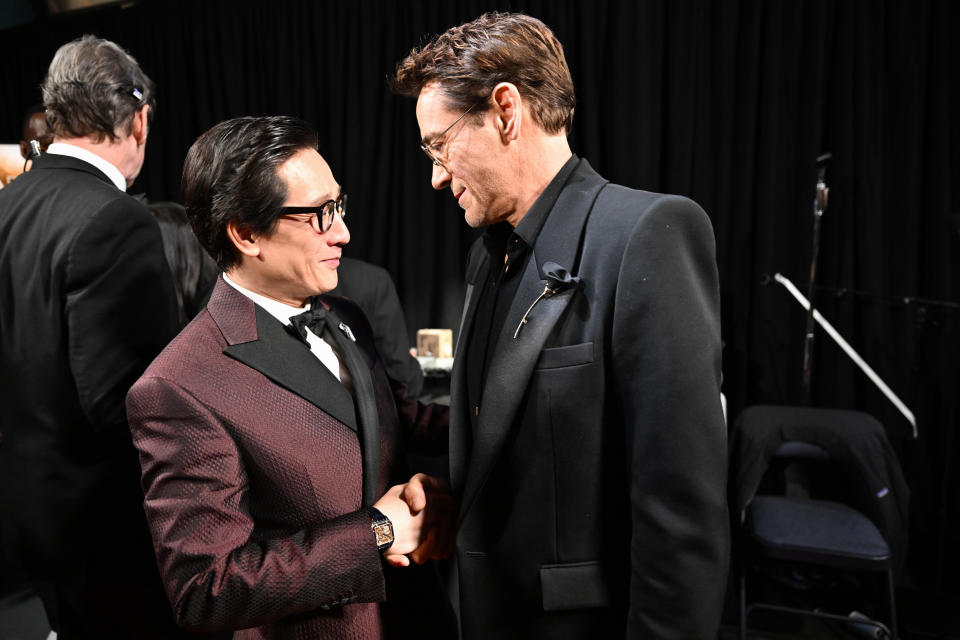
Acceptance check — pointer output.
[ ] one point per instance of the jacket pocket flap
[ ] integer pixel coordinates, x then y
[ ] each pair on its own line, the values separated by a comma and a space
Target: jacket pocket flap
579, 585
568, 356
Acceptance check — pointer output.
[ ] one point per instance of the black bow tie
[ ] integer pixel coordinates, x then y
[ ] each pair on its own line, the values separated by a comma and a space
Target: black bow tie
314, 319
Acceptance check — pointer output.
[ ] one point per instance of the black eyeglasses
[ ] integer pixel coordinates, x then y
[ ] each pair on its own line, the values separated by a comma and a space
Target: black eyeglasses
429, 148
322, 216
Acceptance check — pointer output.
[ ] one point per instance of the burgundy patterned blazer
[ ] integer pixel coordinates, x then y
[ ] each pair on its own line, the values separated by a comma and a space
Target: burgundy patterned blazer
254, 461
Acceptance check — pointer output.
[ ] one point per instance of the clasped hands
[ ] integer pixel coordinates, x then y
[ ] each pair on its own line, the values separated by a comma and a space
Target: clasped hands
423, 514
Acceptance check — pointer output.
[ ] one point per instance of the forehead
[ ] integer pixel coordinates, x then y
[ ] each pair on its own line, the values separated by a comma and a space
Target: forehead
433, 115
308, 178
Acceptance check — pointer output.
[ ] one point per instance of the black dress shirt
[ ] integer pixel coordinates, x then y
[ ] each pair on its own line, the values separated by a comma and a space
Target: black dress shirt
509, 252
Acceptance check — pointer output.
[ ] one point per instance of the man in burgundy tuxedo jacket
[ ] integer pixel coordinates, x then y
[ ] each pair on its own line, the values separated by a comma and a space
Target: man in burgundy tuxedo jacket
268, 428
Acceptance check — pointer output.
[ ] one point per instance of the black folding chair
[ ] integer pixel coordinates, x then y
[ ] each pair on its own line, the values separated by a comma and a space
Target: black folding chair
789, 522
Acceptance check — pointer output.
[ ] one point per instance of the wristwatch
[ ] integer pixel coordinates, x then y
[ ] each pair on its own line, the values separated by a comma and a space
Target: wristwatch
382, 528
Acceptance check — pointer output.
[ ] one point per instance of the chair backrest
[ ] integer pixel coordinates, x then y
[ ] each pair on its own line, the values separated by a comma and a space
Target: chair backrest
846, 451
805, 470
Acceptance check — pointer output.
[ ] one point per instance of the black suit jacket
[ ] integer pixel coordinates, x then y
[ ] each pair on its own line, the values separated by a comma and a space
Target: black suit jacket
592, 495
87, 302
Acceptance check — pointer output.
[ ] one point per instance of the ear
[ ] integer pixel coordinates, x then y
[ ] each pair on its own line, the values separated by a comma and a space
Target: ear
508, 110
243, 239
140, 125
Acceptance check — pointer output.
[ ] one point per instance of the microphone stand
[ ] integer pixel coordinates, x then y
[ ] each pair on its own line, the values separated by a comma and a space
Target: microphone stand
845, 346
819, 206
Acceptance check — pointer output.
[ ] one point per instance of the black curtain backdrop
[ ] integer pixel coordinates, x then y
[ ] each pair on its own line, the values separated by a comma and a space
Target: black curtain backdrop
726, 102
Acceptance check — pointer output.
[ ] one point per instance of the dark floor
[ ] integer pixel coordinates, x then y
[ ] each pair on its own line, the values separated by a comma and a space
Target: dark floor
922, 617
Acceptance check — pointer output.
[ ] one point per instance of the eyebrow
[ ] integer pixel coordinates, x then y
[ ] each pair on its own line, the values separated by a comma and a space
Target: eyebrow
328, 198
431, 138
320, 201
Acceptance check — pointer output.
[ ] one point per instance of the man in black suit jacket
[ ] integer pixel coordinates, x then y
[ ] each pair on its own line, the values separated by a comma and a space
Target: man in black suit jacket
587, 444
87, 303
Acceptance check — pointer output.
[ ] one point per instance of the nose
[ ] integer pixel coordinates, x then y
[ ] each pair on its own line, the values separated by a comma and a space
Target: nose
440, 178
338, 234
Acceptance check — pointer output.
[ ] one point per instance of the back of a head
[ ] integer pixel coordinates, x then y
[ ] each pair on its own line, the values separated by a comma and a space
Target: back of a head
468, 61
35, 125
35, 128
230, 175
94, 88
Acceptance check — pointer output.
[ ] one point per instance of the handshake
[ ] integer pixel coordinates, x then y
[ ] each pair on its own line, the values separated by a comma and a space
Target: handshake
424, 516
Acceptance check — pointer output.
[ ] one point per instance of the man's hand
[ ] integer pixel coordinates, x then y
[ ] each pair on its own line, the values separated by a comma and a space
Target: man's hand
428, 502
407, 525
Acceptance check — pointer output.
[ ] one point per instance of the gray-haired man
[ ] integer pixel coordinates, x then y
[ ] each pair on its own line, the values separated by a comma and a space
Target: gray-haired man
87, 302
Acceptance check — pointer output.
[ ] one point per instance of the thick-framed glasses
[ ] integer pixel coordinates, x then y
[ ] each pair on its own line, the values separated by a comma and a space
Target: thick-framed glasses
322, 216
433, 151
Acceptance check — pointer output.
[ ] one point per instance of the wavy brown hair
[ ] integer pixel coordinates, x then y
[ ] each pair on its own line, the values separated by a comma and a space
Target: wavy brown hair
470, 60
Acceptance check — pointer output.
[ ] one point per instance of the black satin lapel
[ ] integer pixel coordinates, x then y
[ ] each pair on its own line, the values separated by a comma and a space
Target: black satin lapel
466, 321
561, 237
460, 431
471, 297
366, 403
288, 362
513, 361
510, 370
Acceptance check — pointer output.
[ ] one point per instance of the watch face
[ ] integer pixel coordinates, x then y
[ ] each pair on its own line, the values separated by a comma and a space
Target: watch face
384, 533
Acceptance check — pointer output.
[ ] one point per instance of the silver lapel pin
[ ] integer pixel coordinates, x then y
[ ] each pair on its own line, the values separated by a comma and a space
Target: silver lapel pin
347, 331
546, 293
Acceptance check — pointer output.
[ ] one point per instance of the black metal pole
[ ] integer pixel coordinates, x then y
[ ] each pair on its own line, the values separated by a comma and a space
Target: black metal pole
819, 206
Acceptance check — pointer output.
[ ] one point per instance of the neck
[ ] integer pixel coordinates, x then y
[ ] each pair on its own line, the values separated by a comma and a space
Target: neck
250, 282
543, 158
121, 153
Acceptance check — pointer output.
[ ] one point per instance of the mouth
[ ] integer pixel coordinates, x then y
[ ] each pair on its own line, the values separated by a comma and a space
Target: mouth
333, 263
457, 195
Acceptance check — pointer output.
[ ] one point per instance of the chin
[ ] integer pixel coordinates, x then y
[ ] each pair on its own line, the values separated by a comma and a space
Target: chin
327, 285
474, 221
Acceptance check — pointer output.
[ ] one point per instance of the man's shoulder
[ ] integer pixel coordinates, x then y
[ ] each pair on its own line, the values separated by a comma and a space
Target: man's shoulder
618, 204
69, 188
614, 193
194, 352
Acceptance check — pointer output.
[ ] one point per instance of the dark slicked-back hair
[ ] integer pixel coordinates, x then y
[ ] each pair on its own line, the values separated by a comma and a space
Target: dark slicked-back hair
35, 129
230, 174
94, 88
470, 60
28, 116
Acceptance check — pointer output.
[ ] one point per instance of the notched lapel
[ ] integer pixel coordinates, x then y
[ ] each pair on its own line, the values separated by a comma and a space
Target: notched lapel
288, 362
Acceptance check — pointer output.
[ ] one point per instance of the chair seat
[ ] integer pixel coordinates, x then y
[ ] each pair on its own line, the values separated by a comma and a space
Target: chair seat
818, 531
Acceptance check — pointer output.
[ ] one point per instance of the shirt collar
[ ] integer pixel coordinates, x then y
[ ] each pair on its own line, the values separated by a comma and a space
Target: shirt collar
529, 227
64, 149
279, 310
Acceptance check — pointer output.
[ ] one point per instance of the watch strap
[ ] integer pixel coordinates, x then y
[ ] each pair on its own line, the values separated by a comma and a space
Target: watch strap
382, 528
